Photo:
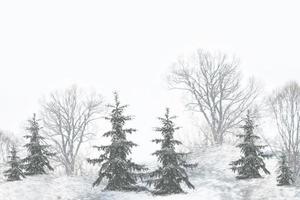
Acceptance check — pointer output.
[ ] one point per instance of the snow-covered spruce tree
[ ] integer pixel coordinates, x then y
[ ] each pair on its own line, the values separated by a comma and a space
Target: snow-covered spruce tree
168, 177
14, 173
37, 160
251, 161
122, 174
285, 176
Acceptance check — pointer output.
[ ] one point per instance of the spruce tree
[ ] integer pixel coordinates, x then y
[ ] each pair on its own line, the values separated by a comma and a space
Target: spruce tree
122, 174
286, 175
168, 177
251, 161
14, 173
37, 160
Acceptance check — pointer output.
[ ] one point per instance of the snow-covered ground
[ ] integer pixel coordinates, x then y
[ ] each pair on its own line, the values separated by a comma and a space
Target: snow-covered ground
213, 180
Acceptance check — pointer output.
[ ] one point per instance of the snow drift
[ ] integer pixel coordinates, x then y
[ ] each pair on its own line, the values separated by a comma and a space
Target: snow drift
213, 180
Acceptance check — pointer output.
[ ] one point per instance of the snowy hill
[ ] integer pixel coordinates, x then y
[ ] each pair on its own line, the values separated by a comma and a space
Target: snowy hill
213, 180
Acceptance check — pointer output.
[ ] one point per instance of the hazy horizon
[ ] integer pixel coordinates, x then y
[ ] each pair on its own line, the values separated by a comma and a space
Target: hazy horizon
130, 47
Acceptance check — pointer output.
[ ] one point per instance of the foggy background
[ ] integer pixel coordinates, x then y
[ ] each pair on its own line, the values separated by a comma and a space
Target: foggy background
129, 46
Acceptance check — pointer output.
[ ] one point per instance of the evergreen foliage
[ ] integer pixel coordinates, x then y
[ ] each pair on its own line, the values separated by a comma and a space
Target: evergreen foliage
286, 175
14, 173
121, 172
251, 161
168, 177
37, 160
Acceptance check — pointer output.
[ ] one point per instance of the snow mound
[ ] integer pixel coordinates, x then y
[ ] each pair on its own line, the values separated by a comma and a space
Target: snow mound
213, 180
214, 173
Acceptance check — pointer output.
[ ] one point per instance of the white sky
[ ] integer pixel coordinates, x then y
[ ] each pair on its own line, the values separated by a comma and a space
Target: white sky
129, 46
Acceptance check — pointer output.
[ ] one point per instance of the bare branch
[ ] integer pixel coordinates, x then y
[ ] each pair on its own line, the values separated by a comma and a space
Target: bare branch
284, 105
214, 84
67, 116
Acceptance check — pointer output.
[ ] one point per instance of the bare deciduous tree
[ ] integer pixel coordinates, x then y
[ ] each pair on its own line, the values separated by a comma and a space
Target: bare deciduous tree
67, 117
285, 108
7, 140
213, 84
